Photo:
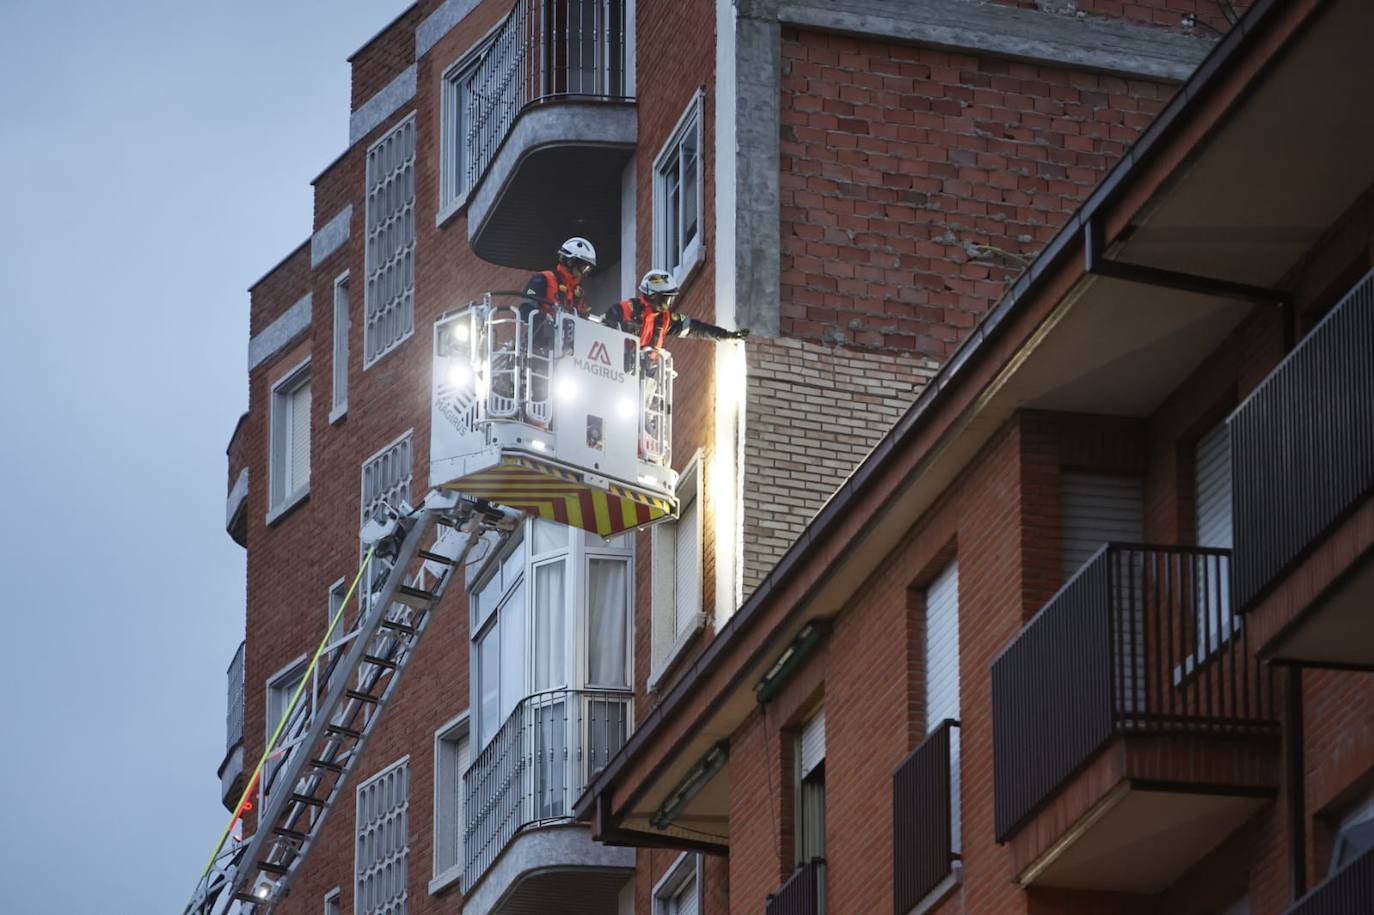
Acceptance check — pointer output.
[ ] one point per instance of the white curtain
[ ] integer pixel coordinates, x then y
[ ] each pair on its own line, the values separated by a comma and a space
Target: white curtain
549, 614
607, 612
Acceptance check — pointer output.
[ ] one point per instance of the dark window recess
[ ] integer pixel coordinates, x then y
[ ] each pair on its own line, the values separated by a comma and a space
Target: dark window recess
923, 852
803, 893
1302, 444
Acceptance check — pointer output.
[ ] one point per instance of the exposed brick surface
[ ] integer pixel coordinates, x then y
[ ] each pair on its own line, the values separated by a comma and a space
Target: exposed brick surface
898, 161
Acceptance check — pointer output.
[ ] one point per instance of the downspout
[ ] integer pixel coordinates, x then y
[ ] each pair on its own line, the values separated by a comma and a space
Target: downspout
1293, 782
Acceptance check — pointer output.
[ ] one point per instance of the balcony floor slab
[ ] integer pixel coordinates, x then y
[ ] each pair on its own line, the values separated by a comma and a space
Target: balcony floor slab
553, 869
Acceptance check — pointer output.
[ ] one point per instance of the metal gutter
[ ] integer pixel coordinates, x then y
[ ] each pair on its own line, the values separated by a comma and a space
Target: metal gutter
1065, 242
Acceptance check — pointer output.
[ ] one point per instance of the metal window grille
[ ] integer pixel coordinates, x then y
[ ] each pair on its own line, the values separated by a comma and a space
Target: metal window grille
389, 296
382, 844
234, 715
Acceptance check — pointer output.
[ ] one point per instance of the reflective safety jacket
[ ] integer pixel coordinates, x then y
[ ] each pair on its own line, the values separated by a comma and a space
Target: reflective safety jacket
556, 289
636, 316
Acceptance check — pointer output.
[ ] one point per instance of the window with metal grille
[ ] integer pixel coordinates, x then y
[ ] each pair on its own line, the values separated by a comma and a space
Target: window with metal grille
389, 295
386, 481
460, 107
342, 323
452, 755
289, 459
382, 848
676, 581
679, 890
677, 196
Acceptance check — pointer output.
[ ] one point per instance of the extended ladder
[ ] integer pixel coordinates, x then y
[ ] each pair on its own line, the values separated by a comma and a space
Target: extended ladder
324, 739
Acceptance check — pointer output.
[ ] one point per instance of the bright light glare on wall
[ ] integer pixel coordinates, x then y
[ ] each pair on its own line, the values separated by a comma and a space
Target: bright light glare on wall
459, 375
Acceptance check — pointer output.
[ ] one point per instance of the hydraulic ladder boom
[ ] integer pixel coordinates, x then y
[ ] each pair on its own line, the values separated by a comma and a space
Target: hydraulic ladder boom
325, 738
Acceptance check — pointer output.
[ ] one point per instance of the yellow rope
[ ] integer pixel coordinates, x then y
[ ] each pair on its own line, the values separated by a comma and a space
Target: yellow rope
290, 708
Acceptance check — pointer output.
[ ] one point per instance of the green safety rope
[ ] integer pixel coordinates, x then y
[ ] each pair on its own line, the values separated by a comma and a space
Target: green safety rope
269, 751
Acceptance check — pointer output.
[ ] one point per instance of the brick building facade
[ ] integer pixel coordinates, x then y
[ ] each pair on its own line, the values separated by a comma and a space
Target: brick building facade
875, 181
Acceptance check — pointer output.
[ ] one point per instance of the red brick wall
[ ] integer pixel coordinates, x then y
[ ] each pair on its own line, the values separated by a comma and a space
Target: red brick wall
281, 288
384, 57
896, 159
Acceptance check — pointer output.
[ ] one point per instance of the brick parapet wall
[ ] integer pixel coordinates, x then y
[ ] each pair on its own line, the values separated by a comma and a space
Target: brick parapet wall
279, 289
898, 162
813, 413
384, 57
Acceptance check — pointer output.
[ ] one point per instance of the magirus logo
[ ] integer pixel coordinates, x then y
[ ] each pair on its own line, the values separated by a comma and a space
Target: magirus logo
598, 363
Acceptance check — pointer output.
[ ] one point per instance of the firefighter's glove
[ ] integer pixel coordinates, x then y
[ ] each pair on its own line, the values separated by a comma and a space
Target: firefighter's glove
739, 334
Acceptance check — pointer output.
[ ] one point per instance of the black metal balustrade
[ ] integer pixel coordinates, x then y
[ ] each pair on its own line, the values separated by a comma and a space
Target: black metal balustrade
924, 811
1302, 444
1349, 890
1142, 641
803, 893
530, 773
544, 50
234, 716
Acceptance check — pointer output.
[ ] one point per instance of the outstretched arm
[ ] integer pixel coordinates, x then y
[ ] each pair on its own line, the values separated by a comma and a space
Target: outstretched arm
683, 326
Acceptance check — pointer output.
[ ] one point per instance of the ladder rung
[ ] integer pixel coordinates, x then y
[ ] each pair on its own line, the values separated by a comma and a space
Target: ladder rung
361, 696
290, 834
322, 764
399, 627
273, 868
307, 799
435, 557
380, 662
414, 597
343, 731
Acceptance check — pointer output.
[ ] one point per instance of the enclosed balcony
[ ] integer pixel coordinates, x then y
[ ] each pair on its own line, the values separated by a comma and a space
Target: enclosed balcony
1303, 446
547, 122
523, 852
231, 769
1133, 731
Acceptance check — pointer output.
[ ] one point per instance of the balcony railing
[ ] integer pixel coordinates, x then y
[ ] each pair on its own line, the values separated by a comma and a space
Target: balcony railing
1350, 889
545, 50
234, 717
803, 893
1142, 641
1302, 444
925, 817
535, 767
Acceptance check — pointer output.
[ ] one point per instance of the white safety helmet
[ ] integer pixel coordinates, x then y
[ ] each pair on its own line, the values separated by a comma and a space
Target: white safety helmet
658, 282
578, 248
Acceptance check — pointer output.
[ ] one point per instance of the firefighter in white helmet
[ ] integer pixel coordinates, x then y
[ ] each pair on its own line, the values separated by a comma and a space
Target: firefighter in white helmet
560, 289
650, 316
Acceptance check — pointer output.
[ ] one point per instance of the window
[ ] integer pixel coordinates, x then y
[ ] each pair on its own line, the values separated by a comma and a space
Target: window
460, 110
1354, 834
386, 480
382, 848
340, 634
677, 196
290, 452
608, 619
942, 675
809, 798
452, 755
676, 600
340, 357
1212, 504
280, 688
389, 292
332, 903
679, 891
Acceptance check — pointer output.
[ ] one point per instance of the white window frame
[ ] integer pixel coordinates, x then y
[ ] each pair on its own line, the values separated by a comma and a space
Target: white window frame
692, 253
357, 821
687, 867
333, 901
455, 729
280, 501
453, 189
408, 121
279, 689
668, 635
339, 377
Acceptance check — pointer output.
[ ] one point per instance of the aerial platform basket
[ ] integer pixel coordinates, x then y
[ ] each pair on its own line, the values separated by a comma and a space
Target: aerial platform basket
557, 416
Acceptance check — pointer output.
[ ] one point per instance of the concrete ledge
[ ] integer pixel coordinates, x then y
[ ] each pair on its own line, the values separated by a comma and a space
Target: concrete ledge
1096, 44
438, 24
378, 108
331, 235
554, 847
273, 338
553, 124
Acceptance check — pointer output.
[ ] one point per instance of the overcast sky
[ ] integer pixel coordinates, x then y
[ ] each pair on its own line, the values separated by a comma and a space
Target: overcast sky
156, 160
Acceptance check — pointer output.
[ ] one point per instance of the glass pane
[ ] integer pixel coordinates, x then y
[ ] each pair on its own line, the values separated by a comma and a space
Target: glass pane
672, 213
549, 614
512, 615
607, 590
690, 166
513, 566
488, 684
549, 536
